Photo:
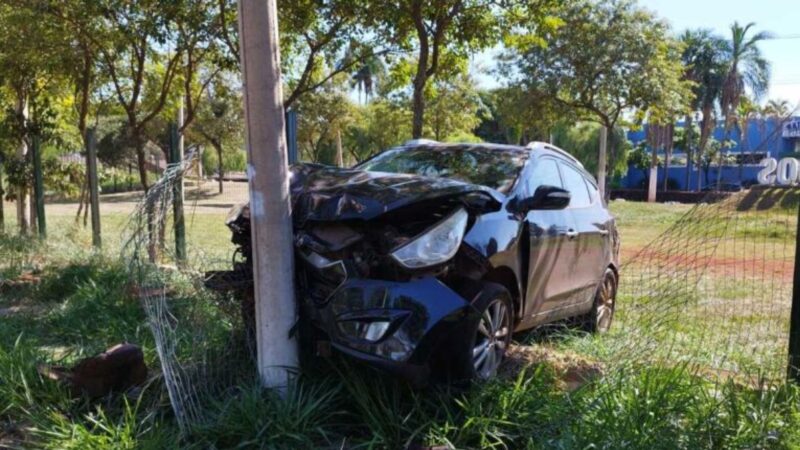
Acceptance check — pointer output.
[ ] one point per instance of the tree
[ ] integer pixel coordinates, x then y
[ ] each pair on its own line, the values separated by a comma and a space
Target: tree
33, 55
747, 69
140, 49
319, 40
746, 112
219, 122
777, 108
367, 76
606, 59
322, 116
453, 107
512, 115
581, 141
444, 32
703, 60
380, 125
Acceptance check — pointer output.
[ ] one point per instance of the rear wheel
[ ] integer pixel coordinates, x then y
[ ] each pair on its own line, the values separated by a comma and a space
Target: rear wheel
488, 335
604, 306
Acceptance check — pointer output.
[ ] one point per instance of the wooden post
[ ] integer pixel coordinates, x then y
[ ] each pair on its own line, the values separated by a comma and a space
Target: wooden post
176, 158
94, 187
601, 161
271, 224
794, 321
38, 185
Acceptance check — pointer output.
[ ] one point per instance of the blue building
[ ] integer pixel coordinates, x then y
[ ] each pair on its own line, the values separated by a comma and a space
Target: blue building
766, 138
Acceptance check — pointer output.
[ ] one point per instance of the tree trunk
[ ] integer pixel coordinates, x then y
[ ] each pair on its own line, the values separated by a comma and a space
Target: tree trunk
220, 166
742, 148
418, 104
339, 152
689, 131
707, 126
2, 201
420, 80
653, 180
141, 160
81, 197
601, 160
22, 153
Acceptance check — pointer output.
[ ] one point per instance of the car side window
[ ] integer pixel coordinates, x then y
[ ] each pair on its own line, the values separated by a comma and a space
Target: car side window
544, 173
576, 185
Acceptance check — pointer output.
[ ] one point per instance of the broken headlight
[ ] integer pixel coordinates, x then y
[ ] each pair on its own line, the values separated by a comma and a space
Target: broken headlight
436, 245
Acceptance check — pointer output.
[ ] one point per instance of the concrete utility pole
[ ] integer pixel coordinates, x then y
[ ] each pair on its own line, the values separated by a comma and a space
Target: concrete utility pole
601, 161
270, 215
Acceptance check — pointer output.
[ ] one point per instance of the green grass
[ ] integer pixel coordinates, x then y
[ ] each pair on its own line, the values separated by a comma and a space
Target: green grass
83, 304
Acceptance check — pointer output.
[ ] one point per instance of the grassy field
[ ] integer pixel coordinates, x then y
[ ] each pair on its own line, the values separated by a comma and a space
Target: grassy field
556, 391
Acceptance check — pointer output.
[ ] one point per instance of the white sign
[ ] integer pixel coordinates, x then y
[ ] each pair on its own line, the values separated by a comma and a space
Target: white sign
791, 129
783, 172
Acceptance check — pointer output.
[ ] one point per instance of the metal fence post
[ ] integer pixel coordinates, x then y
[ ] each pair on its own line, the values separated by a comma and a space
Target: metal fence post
794, 324
38, 185
180, 224
94, 186
291, 136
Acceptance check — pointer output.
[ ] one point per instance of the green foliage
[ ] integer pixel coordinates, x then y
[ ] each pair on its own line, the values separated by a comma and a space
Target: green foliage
380, 125
452, 108
252, 417
583, 141
607, 57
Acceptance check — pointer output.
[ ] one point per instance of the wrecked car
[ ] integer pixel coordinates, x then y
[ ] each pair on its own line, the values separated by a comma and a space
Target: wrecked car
424, 259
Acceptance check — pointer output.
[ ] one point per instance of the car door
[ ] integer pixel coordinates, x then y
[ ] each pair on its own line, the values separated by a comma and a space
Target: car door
589, 217
550, 244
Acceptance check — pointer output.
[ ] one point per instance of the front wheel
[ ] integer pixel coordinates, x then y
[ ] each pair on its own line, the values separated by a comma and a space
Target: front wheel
488, 335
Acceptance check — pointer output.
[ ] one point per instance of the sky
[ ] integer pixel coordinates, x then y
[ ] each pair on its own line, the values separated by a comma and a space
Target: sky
780, 17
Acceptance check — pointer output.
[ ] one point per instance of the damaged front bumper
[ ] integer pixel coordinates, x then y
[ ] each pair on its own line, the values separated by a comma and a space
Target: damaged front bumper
393, 325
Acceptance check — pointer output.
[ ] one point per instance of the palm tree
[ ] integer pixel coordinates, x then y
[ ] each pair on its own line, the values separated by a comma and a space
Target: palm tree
703, 58
777, 108
746, 112
747, 69
366, 77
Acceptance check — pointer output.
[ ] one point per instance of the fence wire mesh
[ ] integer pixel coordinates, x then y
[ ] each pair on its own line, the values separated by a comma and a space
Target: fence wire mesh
714, 291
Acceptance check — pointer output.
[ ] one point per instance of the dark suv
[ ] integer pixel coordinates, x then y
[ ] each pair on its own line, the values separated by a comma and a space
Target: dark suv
425, 258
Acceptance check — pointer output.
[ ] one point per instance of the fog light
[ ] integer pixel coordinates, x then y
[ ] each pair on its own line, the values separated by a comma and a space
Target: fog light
368, 330
376, 331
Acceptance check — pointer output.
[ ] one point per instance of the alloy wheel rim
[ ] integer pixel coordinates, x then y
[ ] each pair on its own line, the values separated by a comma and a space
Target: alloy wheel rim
605, 306
492, 339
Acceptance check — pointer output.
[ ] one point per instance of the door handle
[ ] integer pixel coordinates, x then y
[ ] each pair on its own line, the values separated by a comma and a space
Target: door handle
572, 234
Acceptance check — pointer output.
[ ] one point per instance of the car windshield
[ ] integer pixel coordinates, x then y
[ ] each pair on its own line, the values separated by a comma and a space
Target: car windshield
492, 167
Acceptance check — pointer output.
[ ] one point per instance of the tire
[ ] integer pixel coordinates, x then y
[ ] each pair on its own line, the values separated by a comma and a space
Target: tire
605, 302
487, 336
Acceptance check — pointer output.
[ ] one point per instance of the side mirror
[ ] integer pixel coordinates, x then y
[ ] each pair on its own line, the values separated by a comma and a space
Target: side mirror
545, 198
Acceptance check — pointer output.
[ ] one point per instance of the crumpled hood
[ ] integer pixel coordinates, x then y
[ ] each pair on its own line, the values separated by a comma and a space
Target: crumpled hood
323, 193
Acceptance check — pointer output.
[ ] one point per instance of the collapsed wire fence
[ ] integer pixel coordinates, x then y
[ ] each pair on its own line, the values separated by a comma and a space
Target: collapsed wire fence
199, 337
713, 293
